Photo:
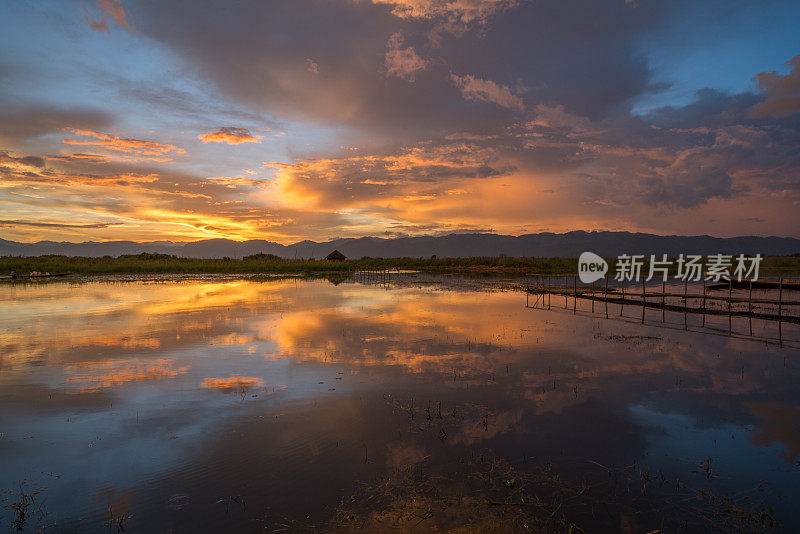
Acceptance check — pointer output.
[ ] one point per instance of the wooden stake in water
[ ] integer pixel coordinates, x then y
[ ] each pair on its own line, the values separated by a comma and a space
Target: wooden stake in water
704, 294
575, 289
704, 302
685, 303
644, 301
730, 303
606, 297
780, 307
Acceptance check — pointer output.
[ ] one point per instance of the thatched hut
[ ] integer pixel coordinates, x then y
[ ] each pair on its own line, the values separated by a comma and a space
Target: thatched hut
335, 256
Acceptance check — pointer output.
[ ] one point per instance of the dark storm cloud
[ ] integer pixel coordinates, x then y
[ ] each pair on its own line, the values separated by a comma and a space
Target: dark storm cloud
782, 92
20, 124
693, 179
533, 86
375, 69
717, 142
8, 161
411, 115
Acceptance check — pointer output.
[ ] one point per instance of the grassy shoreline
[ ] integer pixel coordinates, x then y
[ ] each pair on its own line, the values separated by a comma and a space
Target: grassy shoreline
269, 264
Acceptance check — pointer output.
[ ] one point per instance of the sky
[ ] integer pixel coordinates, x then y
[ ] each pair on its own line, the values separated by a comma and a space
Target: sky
318, 119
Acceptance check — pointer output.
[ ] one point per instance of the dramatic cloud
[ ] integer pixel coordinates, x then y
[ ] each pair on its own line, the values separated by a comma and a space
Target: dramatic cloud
555, 117
152, 202
782, 92
473, 88
402, 62
13, 224
391, 181
230, 135
464, 11
396, 117
143, 149
695, 177
21, 123
24, 163
589, 64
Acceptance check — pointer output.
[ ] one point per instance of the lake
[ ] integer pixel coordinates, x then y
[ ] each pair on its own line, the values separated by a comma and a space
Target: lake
282, 404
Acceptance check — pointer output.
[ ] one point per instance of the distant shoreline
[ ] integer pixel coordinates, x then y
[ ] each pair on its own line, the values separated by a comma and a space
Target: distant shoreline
269, 264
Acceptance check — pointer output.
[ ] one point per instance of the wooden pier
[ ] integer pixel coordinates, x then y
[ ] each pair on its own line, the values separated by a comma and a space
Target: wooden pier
377, 277
684, 297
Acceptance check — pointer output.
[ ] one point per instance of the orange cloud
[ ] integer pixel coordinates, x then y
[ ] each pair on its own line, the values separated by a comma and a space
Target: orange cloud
360, 182
463, 11
105, 374
151, 150
234, 181
230, 135
233, 383
93, 158
782, 92
77, 192
108, 8
402, 62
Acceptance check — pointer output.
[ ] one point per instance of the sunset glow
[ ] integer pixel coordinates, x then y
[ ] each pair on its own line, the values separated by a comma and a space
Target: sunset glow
134, 120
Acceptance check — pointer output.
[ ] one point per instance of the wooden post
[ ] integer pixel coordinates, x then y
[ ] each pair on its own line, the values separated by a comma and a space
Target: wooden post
549, 292
730, 294
704, 294
663, 301
644, 301
685, 303
575, 300
730, 303
750, 299
606, 297
622, 303
592, 297
780, 307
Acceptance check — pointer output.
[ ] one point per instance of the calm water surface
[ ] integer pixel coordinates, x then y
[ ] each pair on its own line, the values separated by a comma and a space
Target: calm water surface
287, 404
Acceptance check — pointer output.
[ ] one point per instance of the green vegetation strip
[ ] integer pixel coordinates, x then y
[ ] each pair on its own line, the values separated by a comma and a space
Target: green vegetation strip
268, 263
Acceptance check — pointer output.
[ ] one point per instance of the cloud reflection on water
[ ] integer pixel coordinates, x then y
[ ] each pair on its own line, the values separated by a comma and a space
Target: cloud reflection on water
482, 370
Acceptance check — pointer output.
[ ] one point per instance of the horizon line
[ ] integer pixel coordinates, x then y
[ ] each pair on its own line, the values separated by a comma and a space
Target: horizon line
393, 238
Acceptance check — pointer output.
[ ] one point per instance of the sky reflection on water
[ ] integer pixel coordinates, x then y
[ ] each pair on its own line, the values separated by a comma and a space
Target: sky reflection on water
177, 402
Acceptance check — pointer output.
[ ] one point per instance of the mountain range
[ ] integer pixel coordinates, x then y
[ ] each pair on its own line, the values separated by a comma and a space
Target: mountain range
571, 244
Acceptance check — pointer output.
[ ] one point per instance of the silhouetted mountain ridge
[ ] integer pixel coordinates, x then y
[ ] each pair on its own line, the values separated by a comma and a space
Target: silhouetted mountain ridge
546, 244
